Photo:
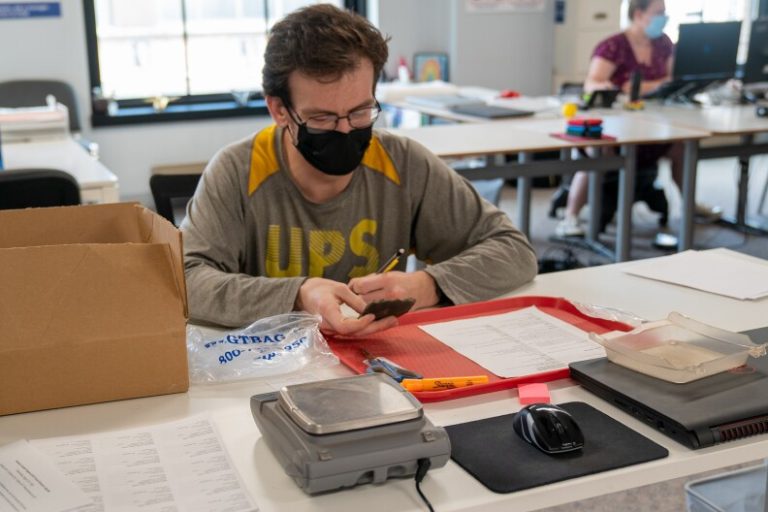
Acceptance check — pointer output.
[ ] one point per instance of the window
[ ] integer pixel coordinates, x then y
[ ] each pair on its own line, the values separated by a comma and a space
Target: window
706, 11
155, 60
697, 11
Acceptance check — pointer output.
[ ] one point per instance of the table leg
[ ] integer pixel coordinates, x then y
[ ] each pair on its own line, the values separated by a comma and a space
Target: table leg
626, 198
690, 163
595, 202
741, 222
524, 197
741, 204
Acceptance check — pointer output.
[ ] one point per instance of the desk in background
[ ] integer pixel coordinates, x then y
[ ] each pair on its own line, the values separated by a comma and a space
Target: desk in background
726, 120
629, 131
97, 183
532, 135
449, 488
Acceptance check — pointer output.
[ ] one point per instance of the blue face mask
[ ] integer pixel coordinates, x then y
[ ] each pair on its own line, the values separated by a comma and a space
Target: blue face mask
655, 28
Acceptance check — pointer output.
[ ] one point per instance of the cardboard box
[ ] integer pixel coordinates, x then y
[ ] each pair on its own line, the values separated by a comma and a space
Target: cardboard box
92, 306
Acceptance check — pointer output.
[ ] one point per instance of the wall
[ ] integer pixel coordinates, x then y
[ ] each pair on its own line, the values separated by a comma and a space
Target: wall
501, 51
587, 22
414, 26
131, 151
498, 50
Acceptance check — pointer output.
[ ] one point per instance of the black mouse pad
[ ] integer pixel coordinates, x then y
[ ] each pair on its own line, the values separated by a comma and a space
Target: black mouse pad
494, 454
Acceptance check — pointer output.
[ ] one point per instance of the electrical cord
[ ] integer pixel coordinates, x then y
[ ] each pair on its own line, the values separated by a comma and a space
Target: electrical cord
421, 472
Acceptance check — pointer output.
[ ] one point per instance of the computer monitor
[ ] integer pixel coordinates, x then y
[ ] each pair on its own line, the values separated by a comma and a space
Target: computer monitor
756, 67
707, 51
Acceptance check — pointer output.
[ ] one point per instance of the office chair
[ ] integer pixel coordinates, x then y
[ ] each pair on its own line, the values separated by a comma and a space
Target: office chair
571, 89
27, 188
32, 93
645, 191
490, 190
173, 187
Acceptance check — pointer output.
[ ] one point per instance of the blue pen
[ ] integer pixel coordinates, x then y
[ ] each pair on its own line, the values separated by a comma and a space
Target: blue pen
388, 367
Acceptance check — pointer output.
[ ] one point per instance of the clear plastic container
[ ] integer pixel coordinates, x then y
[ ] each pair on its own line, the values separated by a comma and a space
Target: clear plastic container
736, 491
679, 349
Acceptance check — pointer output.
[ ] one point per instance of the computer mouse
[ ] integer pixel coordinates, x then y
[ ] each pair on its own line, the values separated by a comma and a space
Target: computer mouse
549, 428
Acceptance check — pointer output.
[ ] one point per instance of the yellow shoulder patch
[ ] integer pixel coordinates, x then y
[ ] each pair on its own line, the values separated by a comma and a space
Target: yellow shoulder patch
377, 158
263, 158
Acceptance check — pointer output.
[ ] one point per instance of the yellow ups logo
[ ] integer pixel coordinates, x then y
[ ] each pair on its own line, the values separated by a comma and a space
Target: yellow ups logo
325, 247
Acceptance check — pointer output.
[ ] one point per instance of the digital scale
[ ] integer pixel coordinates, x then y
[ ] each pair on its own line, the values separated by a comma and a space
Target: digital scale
339, 433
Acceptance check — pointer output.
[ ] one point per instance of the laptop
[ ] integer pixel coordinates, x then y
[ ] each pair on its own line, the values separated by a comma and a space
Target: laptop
489, 111
443, 101
713, 410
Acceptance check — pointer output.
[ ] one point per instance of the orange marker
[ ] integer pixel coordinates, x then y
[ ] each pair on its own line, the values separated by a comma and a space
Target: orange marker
440, 384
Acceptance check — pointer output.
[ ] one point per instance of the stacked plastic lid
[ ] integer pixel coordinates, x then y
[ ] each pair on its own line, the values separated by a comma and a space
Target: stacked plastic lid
582, 127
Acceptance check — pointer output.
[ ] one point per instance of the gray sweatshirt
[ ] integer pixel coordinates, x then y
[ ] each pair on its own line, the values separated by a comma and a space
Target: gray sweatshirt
251, 238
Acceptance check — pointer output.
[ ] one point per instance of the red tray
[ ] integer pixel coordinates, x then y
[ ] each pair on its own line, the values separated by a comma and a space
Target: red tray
577, 138
412, 348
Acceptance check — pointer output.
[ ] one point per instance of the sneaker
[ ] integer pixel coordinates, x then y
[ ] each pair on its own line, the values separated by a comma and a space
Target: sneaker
569, 226
665, 241
707, 213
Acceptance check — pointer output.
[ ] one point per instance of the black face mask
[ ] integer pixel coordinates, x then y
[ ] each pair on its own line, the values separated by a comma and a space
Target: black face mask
334, 152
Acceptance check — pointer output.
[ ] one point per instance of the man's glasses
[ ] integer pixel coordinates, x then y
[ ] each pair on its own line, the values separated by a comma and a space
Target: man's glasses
358, 118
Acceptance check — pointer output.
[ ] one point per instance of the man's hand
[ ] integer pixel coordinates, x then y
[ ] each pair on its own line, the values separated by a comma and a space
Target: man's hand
324, 297
397, 285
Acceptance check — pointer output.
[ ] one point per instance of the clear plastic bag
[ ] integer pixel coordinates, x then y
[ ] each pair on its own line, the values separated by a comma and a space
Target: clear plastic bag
270, 346
609, 313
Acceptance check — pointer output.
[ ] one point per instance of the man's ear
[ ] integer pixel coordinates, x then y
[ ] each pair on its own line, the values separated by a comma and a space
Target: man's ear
277, 110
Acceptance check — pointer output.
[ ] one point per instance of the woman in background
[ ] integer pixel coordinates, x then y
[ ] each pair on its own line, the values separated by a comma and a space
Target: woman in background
642, 47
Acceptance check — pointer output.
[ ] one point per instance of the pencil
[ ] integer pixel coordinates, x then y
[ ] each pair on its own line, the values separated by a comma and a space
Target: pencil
391, 262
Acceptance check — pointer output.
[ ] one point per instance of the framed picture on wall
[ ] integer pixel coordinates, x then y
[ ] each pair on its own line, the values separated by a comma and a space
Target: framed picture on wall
428, 66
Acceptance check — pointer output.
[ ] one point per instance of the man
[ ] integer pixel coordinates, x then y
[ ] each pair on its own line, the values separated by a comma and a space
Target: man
300, 216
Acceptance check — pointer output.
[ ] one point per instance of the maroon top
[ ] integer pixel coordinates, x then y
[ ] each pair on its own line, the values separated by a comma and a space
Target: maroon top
617, 50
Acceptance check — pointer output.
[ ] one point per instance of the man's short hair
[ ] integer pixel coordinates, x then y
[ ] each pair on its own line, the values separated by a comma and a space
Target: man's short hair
323, 42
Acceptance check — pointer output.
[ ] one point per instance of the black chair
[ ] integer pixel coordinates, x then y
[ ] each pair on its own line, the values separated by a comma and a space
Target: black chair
168, 189
645, 191
26, 188
571, 89
32, 93
490, 190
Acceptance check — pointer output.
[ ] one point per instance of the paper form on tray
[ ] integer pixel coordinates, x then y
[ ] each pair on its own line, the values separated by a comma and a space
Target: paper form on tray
29, 481
521, 342
719, 271
181, 465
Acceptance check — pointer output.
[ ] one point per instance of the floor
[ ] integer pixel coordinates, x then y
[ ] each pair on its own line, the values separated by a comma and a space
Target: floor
669, 496
716, 185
